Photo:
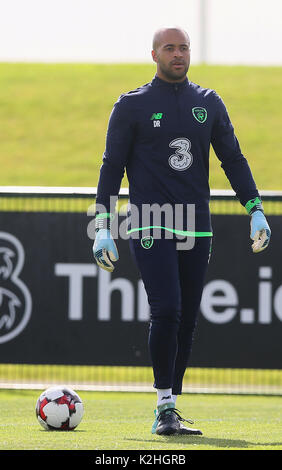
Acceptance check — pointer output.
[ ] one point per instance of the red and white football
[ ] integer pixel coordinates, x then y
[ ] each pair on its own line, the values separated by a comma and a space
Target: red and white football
59, 408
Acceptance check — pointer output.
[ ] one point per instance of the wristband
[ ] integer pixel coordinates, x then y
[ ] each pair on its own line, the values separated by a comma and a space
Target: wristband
103, 220
254, 205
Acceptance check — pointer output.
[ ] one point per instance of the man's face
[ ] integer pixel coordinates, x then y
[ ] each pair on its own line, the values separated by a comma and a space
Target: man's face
172, 56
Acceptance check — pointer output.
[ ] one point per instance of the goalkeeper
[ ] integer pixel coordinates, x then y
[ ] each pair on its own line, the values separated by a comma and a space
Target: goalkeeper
161, 134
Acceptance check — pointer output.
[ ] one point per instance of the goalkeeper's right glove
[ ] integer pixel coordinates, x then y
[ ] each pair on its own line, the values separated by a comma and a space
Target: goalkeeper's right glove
104, 248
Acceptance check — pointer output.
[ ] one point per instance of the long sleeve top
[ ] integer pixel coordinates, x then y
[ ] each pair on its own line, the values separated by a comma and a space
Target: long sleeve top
161, 134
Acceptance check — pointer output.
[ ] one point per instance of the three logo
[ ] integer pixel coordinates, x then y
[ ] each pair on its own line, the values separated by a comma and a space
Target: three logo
15, 298
182, 157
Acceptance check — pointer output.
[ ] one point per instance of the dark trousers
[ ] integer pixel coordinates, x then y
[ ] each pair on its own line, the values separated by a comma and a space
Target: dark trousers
173, 280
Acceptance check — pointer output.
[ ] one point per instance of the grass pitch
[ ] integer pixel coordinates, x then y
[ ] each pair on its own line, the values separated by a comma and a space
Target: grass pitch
122, 421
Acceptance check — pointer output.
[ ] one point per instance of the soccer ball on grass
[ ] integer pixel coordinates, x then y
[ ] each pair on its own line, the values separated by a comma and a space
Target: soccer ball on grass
59, 408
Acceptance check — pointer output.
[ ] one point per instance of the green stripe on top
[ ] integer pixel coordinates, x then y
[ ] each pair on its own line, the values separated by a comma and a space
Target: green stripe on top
104, 215
184, 233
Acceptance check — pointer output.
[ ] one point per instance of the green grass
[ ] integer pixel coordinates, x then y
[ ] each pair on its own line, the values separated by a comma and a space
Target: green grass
53, 119
122, 421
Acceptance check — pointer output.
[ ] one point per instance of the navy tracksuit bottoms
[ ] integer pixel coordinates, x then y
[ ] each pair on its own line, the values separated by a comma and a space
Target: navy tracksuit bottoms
173, 280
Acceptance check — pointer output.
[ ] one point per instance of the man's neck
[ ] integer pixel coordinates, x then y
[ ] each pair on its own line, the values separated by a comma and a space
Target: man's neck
172, 81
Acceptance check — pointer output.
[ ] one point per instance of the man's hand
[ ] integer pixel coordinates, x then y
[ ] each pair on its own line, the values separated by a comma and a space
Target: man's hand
260, 231
105, 250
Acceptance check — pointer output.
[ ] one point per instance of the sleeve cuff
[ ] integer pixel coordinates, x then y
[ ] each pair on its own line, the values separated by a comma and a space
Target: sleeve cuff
254, 205
103, 220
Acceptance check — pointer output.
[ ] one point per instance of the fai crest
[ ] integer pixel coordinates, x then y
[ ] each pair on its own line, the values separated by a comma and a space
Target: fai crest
147, 242
200, 114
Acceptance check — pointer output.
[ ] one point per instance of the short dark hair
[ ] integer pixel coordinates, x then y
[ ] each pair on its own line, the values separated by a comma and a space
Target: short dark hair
159, 32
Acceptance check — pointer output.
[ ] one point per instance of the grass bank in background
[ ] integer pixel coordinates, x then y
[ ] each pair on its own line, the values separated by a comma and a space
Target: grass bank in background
53, 119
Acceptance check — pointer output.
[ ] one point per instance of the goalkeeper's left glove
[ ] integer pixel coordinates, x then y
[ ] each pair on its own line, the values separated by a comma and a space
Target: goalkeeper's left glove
260, 230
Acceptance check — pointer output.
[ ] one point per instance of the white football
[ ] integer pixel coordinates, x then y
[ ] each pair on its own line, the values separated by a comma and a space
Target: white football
59, 408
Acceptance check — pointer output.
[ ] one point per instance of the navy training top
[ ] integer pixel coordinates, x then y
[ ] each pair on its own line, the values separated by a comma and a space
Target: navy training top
161, 134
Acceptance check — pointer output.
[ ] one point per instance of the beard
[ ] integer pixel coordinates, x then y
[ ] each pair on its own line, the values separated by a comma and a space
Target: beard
171, 74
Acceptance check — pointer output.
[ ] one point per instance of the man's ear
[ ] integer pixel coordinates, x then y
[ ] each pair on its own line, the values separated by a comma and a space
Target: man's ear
154, 56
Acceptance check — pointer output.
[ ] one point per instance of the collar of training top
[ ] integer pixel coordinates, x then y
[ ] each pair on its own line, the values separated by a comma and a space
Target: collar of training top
159, 82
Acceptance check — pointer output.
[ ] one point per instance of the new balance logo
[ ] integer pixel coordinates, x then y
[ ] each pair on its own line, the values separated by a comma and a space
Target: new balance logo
156, 116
